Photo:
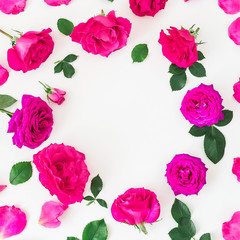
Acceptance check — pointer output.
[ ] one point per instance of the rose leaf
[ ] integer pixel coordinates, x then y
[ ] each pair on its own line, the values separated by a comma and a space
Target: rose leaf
68, 70
139, 52
178, 81
6, 101
175, 234
198, 131
72, 238
200, 56
180, 210
174, 69
95, 230
89, 198
96, 185
228, 115
59, 67
197, 70
70, 58
65, 26
187, 227
102, 203
205, 236
20, 173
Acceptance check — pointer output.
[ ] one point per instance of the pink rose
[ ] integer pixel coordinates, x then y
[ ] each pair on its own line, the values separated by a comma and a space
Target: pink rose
234, 31
236, 90
136, 207
4, 74
63, 171
57, 96
229, 6
57, 2
147, 8
102, 34
179, 47
186, 174
12, 6
32, 124
202, 106
231, 229
236, 167
31, 49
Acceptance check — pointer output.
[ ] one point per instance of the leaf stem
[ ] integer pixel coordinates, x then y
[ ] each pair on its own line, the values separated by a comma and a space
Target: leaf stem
6, 34
10, 114
58, 61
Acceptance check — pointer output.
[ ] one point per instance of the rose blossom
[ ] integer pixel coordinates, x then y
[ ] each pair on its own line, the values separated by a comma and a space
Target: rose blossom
12, 6
4, 74
102, 34
31, 49
234, 31
202, 106
136, 206
179, 47
57, 96
236, 167
229, 6
231, 229
32, 124
147, 8
186, 174
63, 171
57, 2
236, 90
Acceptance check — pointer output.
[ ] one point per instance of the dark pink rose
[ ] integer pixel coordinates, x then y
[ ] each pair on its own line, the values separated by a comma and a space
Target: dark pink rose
31, 49
4, 74
229, 6
179, 47
102, 34
63, 171
236, 90
57, 96
12, 6
147, 8
231, 229
57, 2
32, 124
136, 206
202, 106
234, 31
236, 167
186, 174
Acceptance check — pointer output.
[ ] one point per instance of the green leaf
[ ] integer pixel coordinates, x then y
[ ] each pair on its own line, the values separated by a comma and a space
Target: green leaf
178, 81
200, 56
205, 236
180, 210
197, 70
175, 234
214, 144
89, 198
96, 230
20, 173
96, 186
65, 26
70, 58
68, 70
110, 0
59, 67
187, 227
102, 203
72, 238
6, 101
198, 131
228, 115
174, 69
139, 52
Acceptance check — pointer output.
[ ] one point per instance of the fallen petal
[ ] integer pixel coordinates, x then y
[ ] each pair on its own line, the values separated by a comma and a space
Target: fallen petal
229, 6
50, 212
12, 221
234, 31
4, 74
12, 6
57, 2
2, 187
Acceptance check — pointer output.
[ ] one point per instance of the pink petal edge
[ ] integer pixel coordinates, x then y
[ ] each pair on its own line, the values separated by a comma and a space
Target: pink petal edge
2, 187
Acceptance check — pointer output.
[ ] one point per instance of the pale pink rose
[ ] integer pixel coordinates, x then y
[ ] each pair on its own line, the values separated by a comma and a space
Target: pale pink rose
4, 74
57, 2
12, 6
234, 31
50, 212
231, 229
2, 187
57, 96
12, 221
236, 167
229, 6
236, 90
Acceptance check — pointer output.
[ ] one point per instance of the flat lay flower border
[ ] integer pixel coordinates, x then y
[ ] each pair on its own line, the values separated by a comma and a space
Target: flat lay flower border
63, 170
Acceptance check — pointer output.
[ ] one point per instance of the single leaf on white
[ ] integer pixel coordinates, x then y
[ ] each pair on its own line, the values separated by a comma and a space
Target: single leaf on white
50, 212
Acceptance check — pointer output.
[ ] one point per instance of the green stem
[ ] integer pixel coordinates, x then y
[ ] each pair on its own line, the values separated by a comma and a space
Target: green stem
43, 84
58, 61
6, 34
10, 114
142, 228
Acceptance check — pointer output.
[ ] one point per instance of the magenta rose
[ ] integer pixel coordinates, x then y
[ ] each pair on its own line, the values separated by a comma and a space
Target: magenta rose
102, 34
229, 6
136, 207
147, 8
57, 2
32, 124
231, 229
63, 171
179, 47
186, 174
202, 106
4, 74
12, 6
31, 49
236, 90
236, 167
234, 31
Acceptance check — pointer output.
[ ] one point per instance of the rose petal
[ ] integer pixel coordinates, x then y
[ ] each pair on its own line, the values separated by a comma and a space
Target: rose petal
234, 31
57, 2
236, 90
12, 221
229, 6
231, 229
50, 212
2, 187
4, 74
12, 6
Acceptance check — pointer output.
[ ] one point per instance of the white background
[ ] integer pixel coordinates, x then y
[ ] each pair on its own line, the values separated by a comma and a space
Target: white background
124, 117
